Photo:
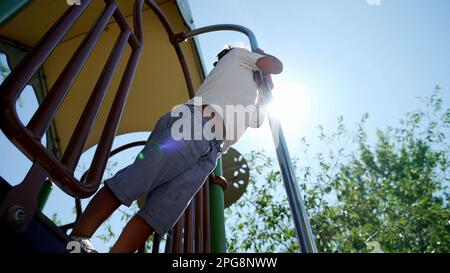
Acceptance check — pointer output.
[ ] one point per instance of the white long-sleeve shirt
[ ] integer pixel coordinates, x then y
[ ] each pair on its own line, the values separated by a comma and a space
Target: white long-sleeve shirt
231, 90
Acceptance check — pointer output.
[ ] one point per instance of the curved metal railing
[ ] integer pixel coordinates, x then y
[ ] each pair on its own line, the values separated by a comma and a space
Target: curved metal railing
191, 232
27, 137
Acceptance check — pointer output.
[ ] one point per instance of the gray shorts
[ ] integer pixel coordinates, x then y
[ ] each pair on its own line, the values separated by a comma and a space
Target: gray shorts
168, 172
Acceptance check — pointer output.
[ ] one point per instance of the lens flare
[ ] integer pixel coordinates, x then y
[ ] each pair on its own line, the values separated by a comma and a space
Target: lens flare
290, 105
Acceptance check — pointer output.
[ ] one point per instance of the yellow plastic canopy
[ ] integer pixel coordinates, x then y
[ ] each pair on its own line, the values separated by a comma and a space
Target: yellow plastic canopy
158, 84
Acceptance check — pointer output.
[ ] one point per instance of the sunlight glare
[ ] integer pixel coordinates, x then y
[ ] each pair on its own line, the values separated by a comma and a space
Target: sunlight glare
291, 105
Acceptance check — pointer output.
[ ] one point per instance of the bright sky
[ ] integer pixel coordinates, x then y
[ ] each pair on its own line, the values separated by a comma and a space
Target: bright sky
340, 58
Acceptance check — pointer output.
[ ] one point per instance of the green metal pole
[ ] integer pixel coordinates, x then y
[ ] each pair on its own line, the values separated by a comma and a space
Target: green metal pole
44, 194
217, 215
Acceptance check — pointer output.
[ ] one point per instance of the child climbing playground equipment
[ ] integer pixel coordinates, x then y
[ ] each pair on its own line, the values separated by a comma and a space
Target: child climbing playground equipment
201, 228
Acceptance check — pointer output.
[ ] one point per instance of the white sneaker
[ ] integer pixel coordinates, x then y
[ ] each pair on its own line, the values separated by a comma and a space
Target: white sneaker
81, 245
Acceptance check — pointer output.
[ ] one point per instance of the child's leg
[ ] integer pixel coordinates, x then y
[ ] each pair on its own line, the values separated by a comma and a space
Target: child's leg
98, 210
133, 236
166, 203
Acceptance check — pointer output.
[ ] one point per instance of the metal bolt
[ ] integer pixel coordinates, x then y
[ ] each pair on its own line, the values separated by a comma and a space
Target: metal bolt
15, 215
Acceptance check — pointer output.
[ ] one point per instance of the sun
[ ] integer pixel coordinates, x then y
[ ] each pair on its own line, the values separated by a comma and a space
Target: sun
291, 105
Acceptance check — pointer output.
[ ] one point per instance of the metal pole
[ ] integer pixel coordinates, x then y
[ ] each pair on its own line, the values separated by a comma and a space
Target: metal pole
217, 218
304, 234
44, 194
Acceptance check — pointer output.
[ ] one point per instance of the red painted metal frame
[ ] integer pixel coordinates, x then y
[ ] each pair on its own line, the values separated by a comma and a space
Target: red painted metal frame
27, 138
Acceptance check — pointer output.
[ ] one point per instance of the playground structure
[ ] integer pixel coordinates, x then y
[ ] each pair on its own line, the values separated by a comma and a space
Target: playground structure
91, 51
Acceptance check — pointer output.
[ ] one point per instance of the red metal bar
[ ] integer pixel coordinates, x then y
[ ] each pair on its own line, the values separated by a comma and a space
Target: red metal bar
185, 69
162, 18
25, 194
41, 120
19, 78
199, 222
28, 66
78, 208
28, 142
206, 224
27, 139
188, 229
137, 22
75, 147
122, 22
177, 236
101, 154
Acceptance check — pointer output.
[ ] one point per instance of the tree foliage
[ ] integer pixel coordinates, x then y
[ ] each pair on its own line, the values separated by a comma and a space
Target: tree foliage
391, 191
